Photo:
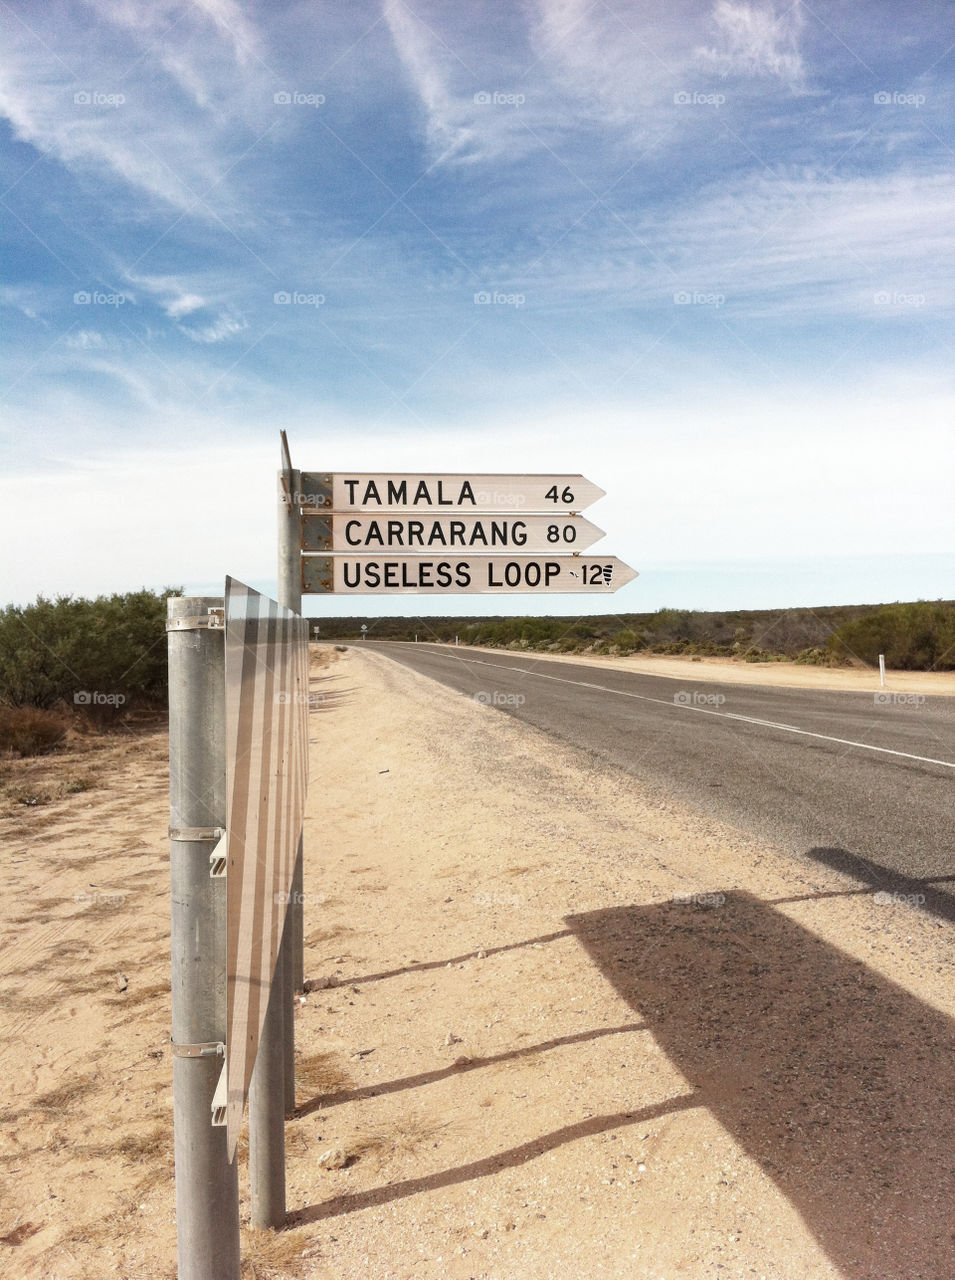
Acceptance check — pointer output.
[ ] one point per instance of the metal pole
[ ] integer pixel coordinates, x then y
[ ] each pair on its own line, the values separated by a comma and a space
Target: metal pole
267, 1114
285, 959
207, 1187
882, 670
290, 595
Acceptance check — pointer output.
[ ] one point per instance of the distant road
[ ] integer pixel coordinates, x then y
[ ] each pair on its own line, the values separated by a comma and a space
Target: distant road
864, 786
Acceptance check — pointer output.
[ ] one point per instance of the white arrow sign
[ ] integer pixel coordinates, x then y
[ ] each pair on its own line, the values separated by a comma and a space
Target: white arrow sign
436, 534
345, 491
463, 575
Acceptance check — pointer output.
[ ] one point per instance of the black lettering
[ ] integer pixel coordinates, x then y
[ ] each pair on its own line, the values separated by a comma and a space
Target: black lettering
519, 533
415, 533
391, 573
491, 580
371, 493
551, 571
442, 500
349, 525
437, 534
373, 574
463, 571
351, 486
456, 533
468, 493
425, 568
355, 572
532, 573
398, 493
421, 494
512, 574
396, 536
444, 574
373, 534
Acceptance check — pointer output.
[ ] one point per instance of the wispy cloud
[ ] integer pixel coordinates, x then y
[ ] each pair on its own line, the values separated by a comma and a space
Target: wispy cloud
85, 340
757, 39
175, 298
217, 331
155, 101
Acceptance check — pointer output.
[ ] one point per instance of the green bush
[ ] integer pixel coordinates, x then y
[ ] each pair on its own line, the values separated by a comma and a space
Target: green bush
914, 637
814, 658
106, 656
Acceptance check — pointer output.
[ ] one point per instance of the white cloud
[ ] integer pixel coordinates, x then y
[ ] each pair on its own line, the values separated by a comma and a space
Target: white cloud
757, 39
183, 305
161, 98
20, 298
86, 340
789, 243
217, 331
480, 105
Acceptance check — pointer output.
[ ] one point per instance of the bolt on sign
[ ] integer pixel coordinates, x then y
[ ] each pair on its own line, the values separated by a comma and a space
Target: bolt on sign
430, 534
266, 706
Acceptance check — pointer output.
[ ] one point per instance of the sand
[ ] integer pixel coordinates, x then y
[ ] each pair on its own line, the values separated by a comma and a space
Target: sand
560, 1026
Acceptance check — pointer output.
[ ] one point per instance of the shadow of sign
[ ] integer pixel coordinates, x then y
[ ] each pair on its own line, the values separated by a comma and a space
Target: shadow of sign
892, 884
835, 1080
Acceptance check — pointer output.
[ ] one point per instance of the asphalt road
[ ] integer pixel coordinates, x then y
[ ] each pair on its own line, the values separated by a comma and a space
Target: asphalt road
863, 785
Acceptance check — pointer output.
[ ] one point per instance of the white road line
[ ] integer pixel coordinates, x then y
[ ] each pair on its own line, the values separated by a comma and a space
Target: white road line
704, 711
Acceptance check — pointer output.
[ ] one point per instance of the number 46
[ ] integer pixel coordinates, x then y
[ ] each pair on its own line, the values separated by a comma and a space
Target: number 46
553, 496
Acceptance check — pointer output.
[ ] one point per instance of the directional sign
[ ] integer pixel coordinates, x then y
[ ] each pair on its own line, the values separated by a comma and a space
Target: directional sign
347, 491
463, 574
436, 534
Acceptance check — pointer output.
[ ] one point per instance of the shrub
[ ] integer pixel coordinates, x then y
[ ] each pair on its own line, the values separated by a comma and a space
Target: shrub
113, 648
814, 658
28, 731
914, 637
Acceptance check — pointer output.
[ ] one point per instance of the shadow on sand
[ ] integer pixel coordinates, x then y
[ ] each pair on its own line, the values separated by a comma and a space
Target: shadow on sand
837, 1082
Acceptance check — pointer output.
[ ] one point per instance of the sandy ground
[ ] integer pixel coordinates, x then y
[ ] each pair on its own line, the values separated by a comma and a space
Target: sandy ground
737, 671
559, 1027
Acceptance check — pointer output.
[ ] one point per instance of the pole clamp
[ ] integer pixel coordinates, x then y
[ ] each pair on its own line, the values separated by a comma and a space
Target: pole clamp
210, 1049
216, 836
214, 620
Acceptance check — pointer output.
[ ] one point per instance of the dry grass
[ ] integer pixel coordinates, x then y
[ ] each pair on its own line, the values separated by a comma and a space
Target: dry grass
66, 1095
19, 1232
132, 998
321, 1073
29, 731
412, 1135
318, 936
275, 1255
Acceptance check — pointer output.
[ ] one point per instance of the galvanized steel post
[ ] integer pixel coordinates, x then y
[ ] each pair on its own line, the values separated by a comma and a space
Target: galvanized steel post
267, 1113
207, 1189
290, 595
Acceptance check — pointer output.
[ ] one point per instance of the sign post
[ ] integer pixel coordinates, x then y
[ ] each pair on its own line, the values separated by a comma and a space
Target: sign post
207, 1187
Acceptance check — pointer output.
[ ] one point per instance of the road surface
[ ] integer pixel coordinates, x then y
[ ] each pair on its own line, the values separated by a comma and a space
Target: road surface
855, 782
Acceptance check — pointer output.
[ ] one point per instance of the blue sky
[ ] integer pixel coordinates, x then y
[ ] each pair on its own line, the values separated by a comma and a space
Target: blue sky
716, 240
